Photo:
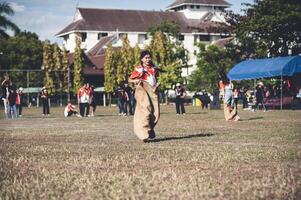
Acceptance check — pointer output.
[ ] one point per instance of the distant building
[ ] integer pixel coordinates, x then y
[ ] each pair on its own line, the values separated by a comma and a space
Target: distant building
199, 20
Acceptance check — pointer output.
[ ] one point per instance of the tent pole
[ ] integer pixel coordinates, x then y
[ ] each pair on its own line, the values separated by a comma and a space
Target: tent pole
281, 92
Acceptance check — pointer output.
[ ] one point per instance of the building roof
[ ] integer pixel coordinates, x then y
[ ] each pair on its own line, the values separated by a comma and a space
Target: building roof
94, 65
99, 48
221, 43
126, 20
199, 2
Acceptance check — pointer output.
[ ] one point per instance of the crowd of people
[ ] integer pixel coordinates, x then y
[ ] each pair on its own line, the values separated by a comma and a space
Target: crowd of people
143, 102
11, 98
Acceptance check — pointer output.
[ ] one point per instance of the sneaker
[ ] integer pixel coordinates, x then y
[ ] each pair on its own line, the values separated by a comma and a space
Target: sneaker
20, 115
253, 110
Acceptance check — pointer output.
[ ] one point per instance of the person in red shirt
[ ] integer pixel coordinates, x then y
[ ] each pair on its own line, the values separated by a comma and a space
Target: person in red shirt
70, 110
83, 99
147, 110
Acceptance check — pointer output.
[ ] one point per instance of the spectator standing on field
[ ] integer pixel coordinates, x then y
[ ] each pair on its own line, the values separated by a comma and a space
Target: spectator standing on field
45, 101
4, 87
12, 96
19, 101
129, 105
259, 95
122, 99
180, 95
83, 100
92, 100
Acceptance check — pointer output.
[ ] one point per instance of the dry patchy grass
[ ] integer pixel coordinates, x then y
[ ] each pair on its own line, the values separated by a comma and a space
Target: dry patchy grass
196, 156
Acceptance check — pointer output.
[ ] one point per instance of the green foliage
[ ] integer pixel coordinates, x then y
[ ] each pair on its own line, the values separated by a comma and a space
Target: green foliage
5, 23
269, 27
171, 28
118, 65
165, 55
66, 70
22, 52
48, 66
78, 67
109, 70
128, 61
211, 60
58, 67
136, 56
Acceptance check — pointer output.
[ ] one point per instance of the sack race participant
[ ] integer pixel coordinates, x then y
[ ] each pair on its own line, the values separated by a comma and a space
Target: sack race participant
147, 110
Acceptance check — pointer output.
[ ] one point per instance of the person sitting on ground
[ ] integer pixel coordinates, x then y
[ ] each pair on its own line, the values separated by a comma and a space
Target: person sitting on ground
70, 110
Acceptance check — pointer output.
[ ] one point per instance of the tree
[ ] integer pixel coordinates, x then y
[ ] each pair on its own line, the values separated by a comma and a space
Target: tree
66, 72
48, 66
57, 58
23, 52
5, 23
109, 70
268, 27
78, 66
136, 56
211, 61
165, 56
119, 67
128, 61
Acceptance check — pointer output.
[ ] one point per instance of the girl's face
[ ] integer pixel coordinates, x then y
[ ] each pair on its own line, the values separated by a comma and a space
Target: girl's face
146, 60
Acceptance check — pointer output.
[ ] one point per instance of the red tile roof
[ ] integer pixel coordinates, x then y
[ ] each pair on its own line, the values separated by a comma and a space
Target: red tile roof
94, 65
125, 20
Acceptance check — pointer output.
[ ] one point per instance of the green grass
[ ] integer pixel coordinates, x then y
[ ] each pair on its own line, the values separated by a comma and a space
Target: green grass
196, 156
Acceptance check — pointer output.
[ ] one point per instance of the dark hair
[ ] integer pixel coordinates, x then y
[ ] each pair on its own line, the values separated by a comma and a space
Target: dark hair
144, 53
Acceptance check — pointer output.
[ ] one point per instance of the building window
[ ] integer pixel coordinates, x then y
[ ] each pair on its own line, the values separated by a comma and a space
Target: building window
101, 35
181, 37
83, 36
121, 35
192, 6
142, 38
198, 7
204, 38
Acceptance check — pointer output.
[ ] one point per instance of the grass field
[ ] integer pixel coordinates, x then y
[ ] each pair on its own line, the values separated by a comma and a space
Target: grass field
196, 156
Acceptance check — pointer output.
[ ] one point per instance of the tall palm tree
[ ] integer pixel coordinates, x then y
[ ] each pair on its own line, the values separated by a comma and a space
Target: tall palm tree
5, 10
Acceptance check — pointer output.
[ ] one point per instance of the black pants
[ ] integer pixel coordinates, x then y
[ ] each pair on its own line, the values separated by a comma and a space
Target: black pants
260, 101
82, 107
19, 108
45, 106
180, 105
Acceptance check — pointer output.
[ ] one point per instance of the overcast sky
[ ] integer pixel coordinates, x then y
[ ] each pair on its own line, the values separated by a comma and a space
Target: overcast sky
48, 17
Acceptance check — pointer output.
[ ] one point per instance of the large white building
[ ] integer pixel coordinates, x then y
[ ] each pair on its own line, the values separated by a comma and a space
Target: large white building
199, 20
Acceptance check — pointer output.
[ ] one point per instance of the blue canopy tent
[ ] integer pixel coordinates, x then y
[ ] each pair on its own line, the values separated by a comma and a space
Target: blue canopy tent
264, 68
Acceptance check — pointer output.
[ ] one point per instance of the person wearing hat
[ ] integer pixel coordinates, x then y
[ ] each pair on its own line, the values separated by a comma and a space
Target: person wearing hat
147, 110
5, 87
19, 101
180, 95
45, 98
259, 97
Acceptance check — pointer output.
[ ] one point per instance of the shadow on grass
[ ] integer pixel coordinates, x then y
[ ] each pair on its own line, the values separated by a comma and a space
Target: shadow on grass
254, 118
180, 137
